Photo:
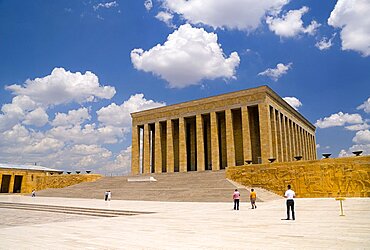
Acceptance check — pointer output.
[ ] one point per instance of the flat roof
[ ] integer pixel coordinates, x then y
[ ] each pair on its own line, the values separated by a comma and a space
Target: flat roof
28, 167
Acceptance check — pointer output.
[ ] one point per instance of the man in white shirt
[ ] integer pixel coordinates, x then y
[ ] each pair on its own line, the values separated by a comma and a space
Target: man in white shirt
289, 195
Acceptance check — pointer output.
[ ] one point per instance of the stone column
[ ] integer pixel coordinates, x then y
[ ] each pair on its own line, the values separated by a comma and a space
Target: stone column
279, 138
214, 142
247, 148
182, 145
289, 142
265, 132
291, 132
284, 136
300, 141
146, 149
307, 145
200, 143
311, 147
170, 156
304, 144
158, 148
296, 142
274, 134
315, 149
135, 150
230, 146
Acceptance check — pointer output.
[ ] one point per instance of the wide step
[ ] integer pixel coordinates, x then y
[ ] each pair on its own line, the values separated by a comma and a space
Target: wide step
70, 210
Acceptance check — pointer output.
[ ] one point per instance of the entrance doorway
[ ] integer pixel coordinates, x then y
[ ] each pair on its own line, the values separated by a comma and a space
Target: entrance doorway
17, 184
5, 181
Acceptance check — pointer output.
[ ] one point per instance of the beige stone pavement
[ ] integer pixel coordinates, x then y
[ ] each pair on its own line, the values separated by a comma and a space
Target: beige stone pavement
188, 225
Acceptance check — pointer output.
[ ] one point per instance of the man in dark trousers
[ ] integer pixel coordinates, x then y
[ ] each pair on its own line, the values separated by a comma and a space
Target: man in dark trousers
289, 195
236, 197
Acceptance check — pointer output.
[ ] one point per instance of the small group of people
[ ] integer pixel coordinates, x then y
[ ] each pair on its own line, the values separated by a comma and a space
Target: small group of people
107, 195
252, 197
289, 195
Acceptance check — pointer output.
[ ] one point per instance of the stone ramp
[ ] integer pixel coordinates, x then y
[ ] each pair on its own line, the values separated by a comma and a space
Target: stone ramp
208, 186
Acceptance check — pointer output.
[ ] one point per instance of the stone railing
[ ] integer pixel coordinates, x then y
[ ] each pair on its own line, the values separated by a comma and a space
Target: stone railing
330, 177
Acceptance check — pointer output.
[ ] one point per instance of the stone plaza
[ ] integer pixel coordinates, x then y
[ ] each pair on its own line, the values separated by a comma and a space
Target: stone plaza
187, 225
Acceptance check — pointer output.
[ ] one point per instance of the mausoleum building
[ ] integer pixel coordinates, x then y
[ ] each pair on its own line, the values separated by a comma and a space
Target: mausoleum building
248, 126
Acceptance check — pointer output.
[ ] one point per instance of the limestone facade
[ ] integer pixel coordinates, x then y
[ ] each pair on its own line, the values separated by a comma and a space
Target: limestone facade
221, 131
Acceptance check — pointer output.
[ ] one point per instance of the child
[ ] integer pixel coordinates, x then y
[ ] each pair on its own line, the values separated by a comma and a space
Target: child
253, 197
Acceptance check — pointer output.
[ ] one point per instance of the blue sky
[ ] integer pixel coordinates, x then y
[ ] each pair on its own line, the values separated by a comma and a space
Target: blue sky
72, 71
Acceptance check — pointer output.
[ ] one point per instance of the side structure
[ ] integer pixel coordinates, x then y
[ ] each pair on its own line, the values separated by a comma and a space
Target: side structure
248, 126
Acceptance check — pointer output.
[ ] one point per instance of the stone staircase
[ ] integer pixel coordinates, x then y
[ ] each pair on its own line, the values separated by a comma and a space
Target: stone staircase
208, 186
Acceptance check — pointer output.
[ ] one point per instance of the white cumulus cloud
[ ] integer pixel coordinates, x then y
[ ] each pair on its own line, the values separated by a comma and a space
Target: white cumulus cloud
362, 137
291, 24
119, 115
62, 87
339, 119
231, 14
293, 101
37, 117
148, 4
188, 56
165, 17
73, 117
357, 127
365, 106
352, 17
325, 43
106, 5
276, 73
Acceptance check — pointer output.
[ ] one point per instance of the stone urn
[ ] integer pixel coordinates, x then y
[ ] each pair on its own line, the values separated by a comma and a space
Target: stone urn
357, 153
326, 155
298, 157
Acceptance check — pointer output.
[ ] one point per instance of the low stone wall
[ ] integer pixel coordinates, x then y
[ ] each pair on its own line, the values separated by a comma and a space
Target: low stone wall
348, 177
61, 181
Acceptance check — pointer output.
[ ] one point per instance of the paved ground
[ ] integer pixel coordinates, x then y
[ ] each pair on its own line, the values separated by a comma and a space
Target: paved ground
188, 225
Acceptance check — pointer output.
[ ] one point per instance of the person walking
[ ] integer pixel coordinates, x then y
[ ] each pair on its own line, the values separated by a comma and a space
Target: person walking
253, 197
33, 193
109, 195
236, 197
289, 195
106, 195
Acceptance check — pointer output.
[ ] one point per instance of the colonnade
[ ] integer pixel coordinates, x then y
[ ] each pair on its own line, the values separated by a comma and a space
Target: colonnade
289, 139
217, 139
